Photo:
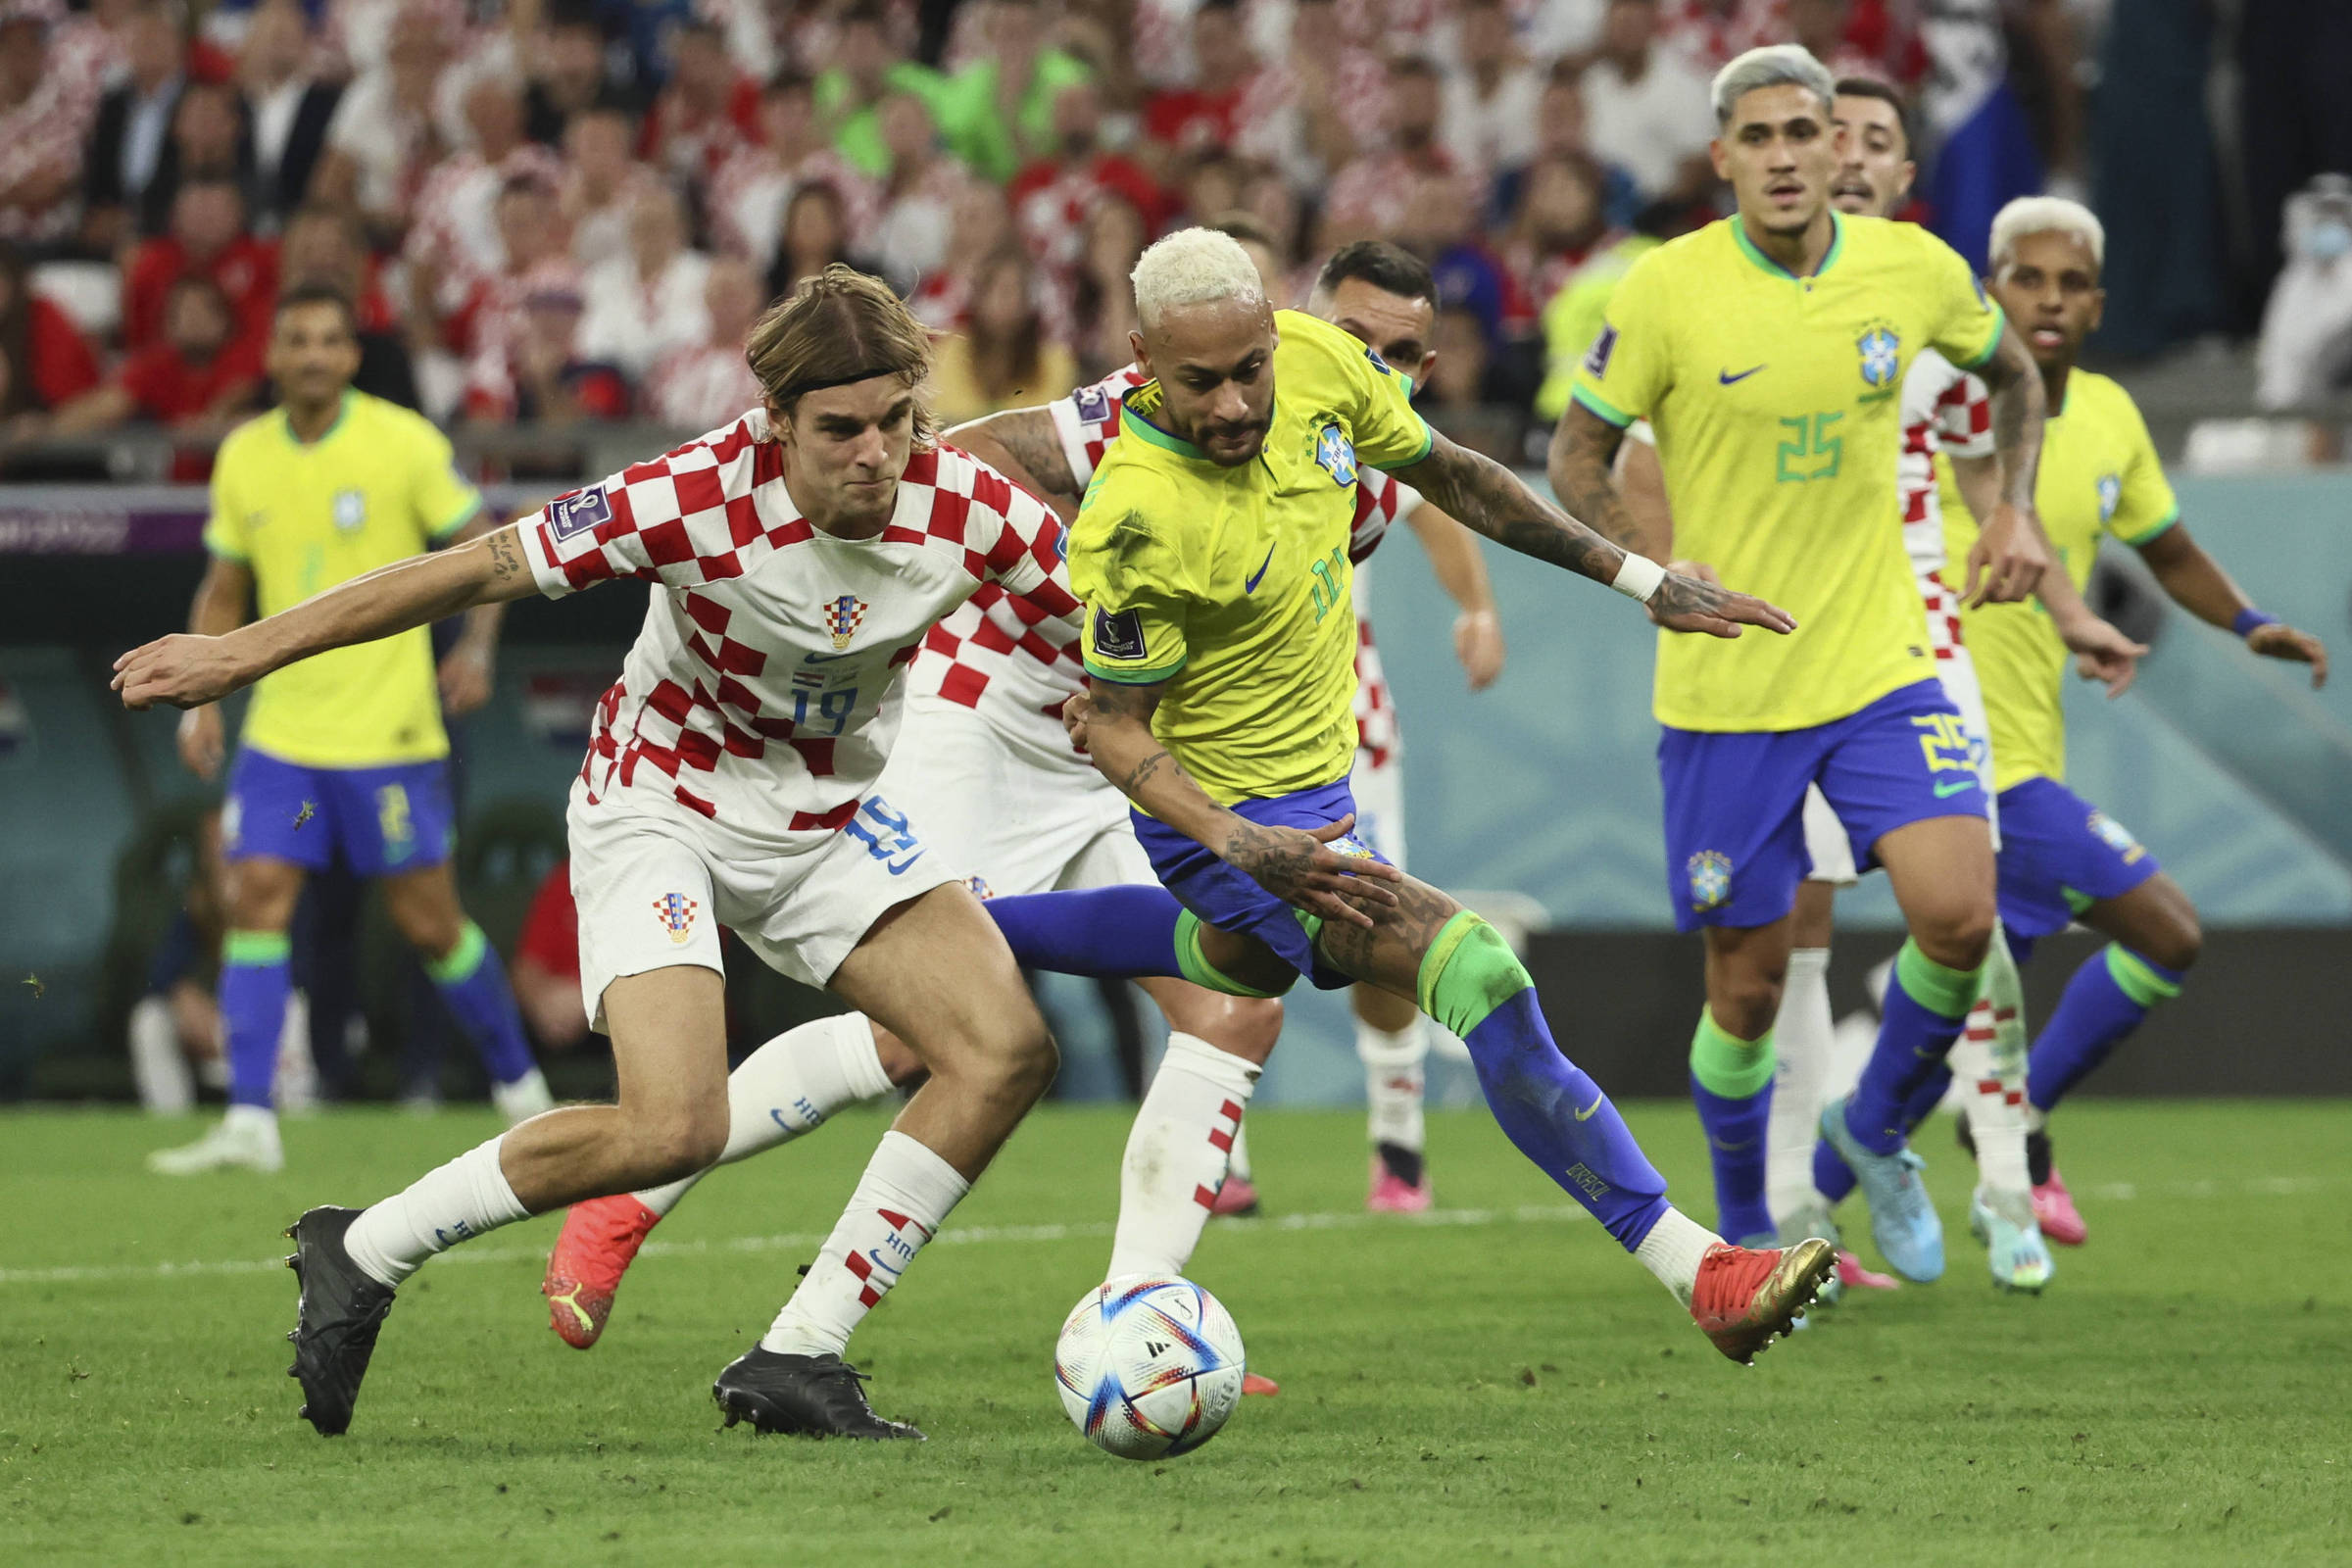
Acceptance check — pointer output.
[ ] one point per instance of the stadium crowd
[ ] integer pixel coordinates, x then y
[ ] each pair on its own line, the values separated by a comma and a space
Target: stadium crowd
560, 211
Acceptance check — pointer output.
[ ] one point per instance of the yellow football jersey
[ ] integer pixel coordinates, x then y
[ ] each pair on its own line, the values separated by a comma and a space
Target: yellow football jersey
378, 487
2099, 475
1777, 405
1233, 584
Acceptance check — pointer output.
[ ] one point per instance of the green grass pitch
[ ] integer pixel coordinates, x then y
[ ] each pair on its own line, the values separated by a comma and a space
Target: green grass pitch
1495, 1384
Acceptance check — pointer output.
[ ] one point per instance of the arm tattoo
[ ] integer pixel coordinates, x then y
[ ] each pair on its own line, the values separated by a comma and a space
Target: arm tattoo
2018, 408
1029, 438
506, 556
1491, 499
1583, 456
1141, 774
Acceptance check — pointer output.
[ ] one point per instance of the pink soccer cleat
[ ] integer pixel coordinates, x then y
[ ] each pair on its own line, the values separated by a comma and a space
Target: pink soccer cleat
1391, 1194
2054, 1210
599, 1243
1266, 1388
1851, 1274
1236, 1198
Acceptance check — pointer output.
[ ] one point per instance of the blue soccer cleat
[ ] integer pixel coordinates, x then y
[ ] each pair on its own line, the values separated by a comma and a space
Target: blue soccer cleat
2014, 1246
1902, 1221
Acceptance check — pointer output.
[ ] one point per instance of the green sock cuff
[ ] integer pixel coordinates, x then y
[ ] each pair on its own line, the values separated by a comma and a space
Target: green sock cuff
1468, 972
253, 949
2136, 979
1726, 1064
1199, 970
460, 963
1946, 993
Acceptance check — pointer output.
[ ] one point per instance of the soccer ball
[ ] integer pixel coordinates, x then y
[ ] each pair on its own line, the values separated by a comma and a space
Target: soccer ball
1149, 1365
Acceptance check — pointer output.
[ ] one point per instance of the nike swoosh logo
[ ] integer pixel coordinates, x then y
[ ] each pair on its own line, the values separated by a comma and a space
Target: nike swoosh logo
824, 658
1726, 377
1258, 576
1586, 1115
1953, 786
898, 867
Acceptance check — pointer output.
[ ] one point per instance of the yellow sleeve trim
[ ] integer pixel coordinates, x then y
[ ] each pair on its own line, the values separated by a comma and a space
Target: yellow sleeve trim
1602, 405
1132, 677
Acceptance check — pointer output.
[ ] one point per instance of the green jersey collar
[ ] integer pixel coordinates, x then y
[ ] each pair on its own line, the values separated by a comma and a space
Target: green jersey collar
342, 412
1829, 258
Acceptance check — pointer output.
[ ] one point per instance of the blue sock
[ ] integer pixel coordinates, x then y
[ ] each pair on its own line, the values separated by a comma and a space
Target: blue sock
1926, 1006
2103, 1003
253, 1011
1833, 1177
1117, 933
473, 985
1731, 1083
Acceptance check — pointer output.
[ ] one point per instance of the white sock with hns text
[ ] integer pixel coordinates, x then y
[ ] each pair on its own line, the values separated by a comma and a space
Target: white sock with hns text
789, 1087
900, 1204
451, 1203
1177, 1156
1395, 1081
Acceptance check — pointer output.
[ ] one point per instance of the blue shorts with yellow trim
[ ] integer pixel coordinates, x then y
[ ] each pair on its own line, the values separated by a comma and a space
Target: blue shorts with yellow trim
383, 821
1231, 899
1736, 802
2060, 855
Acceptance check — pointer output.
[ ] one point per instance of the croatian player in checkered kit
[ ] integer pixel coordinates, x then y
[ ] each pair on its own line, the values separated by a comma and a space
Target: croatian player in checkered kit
802, 555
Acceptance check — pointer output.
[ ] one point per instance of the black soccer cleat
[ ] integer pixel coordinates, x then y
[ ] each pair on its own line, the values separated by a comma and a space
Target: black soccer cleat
342, 1308
813, 1396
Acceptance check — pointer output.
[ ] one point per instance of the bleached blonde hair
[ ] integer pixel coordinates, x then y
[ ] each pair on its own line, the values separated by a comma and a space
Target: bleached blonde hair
1776, 65
1194, 267
2045, 215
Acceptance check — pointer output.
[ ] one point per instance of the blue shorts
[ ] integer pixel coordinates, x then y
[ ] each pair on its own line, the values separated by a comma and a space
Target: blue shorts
1735, 802
2060, 855
381, 821
1232, 901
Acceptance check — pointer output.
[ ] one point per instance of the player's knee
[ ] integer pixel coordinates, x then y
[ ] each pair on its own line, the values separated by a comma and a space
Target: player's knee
679, 1142
2177, 941
900, 1064
1744, 1005
1957, 935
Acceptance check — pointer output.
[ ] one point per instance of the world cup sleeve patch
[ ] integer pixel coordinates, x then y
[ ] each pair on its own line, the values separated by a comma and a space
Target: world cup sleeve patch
578, 513
1597, 358
1119, 636
1094, 404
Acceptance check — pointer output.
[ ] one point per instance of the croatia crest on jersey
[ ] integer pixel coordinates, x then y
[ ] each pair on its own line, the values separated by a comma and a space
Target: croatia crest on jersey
1882, 352
842, 617
1335, 453
675, 911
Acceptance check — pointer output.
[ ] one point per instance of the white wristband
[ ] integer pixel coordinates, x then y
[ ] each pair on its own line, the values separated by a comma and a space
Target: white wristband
1638, 578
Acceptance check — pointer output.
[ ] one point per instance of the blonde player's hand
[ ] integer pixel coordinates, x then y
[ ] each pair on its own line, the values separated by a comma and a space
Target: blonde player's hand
2008, 557
1692, 598
201, 740
2282, 641
465, 679
1478, 643
2102, 653
1297, 866
183, 671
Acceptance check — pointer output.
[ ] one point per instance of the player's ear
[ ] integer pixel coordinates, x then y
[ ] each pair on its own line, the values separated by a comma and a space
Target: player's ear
1143, 354
1715, 156
779, 424
2098, 308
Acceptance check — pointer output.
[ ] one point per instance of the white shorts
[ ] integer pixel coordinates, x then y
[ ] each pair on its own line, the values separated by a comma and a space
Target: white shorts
653, 891
1015, 820
1826, 840
1379, 791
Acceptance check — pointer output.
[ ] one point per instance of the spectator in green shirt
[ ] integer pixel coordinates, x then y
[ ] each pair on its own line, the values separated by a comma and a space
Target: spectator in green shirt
997, 112
866, 70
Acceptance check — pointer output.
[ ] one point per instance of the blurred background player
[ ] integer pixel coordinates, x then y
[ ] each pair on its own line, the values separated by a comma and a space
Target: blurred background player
1778, 429
341, 755
1385, 296
2062, 859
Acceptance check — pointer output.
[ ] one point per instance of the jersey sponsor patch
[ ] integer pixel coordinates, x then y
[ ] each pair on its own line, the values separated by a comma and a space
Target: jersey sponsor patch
1119, 636
1596, 358
576, 514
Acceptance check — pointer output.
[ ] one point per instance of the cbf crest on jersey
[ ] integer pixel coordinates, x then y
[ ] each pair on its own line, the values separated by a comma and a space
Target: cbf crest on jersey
1881, 351
842, 617
1335, 453
675, 911
2111, 496
351, 510
1710, 879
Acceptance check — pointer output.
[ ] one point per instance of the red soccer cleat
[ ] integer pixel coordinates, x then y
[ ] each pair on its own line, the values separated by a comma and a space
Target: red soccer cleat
2054, 1210
1252, 1383
600, 1240
1854, 1277
1236, 1198
1744, 1299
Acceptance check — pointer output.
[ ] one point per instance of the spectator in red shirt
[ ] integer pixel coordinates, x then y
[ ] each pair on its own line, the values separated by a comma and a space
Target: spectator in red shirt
207, 239
1207, 114
44, 360
198, 381
544, 379
546, 972
1368, 198
1053, 198
707, 112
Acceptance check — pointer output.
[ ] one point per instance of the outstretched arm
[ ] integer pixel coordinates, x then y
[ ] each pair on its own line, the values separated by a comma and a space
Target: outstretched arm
1294, 864
466, 670
1491, 499
223, 599
1582, 467
2011, 554
188, 670
2198, 584
1461, 570
1023, 445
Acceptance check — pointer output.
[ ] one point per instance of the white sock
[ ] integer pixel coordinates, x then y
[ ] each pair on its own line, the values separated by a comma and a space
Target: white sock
905, 1192
1804, 1037
295, 1085
1236, 1164
1990, 1059
1393, 1081
445, 1205
254, 1121
1177, 1155
166, 1085
1672, 1251
789, 1087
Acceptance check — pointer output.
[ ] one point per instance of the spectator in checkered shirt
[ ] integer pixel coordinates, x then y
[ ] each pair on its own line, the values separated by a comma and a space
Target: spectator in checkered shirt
44, 115
707, 113
707, 384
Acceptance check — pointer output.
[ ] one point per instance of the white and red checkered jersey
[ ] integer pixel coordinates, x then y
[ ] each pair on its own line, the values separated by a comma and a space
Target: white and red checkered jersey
764, 691
1944, 410
1088, 422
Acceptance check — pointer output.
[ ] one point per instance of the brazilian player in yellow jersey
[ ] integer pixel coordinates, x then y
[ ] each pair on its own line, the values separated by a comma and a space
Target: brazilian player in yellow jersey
342, 753
1211, 551
1768, 353
2061, 859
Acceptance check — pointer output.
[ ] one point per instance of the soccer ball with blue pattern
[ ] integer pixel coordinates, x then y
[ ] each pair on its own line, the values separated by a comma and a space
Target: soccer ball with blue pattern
1149, 1365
